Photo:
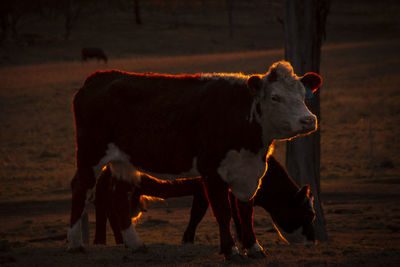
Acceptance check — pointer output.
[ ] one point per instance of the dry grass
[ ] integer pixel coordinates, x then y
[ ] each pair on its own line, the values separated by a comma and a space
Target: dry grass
360, 66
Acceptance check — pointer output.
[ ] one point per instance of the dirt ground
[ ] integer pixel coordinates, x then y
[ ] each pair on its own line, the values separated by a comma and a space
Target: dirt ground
363, 223
360, 124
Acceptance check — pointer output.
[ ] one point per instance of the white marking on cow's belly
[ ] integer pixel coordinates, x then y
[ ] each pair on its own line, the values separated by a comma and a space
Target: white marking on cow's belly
242, 171
122, 168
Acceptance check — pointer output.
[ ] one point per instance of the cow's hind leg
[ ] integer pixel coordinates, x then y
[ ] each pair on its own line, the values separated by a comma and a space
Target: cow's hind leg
199, 208
249, 241
122, 205
218, 196
82, 181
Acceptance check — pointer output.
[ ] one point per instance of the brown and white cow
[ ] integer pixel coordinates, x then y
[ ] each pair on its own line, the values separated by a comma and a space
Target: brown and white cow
218, 126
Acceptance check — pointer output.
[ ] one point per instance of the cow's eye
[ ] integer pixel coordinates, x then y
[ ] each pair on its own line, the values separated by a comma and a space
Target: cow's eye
276, 98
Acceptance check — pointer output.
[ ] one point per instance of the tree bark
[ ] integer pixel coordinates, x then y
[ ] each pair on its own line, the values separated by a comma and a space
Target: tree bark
72, 11
304, 26
137, 12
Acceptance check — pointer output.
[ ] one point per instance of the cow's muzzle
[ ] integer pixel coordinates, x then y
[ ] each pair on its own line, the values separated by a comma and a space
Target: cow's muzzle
308, 123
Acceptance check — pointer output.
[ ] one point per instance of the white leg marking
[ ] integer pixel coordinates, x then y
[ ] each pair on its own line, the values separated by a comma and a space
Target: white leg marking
131, 238
79, 235
74, 236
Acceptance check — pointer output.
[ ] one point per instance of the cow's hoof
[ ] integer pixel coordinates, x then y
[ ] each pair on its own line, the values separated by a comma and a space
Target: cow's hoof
235, 256
76, 250
255, 251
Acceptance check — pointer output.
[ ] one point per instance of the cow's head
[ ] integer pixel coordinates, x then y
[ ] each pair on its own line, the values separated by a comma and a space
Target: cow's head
278, 101
294, 218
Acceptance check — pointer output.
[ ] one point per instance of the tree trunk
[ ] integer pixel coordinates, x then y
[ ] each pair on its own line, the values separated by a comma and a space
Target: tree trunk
6, 35
137, 12
71, 13
304, 32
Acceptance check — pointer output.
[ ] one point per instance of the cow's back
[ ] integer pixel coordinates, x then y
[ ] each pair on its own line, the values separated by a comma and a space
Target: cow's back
162, 120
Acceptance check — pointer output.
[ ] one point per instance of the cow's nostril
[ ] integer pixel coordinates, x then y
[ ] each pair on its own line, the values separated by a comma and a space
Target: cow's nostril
309, 120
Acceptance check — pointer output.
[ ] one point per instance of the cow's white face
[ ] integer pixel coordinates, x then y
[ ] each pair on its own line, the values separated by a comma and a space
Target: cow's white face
279, 102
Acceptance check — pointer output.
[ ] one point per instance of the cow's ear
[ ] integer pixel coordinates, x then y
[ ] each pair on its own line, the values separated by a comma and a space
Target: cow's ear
311, 82
254, 83
302, 194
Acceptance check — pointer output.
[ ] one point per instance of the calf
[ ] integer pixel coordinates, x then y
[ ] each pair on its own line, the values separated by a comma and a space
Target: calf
217, 126
93, 52
289, 206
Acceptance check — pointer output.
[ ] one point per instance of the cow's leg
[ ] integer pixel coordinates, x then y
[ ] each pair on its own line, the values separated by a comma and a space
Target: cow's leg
113, 218
105, 209
236, 219
218, 196
102, 203
90, 151
249, 241
82, 181
101, 222
122, 206
199, 208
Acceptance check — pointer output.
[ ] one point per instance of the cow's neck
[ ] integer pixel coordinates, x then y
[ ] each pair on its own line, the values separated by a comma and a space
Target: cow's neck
277, 187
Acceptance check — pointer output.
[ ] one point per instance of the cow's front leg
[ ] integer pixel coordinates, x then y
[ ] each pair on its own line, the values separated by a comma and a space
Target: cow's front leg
199, 208
218, 196
123, 207
235, 217
249, 241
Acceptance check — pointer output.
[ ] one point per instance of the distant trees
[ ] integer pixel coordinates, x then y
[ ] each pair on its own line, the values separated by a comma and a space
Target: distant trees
12, 12
136, 8
69, 10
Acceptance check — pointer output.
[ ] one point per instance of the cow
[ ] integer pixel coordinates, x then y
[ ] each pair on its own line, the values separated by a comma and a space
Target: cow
217, 126
93, 52
290, 206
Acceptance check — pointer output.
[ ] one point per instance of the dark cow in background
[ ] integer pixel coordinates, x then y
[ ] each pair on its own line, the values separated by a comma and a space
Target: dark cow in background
217, 126
93, 52
290, 207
